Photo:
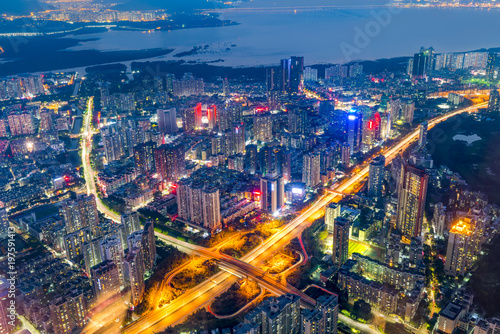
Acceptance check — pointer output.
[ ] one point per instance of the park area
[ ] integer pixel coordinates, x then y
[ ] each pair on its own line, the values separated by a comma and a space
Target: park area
236, 297
240, 246
195, 273
279, 263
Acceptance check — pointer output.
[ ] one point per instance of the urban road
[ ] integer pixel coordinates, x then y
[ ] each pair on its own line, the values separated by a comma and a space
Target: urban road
204, 293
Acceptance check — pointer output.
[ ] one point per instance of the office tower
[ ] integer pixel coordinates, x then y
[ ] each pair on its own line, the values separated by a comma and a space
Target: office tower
311, 169
188, 86
439, 219
464, 246
79, 213
273, 82
354, 128
340, 251
292, 71
4, 304
422, 137
494, 102
134, 274
68, 313
332, 212
46, 121
167, 120
130, 222
277, 315
144, 157
225, 88
212, 116
113, 146
323, 319
211, 207
408, 111
376, 176
423, 63
112, 249
297, 120
4, 222
251, 159
105, 280
492, 66
409, 67
412, 191
149, 246
263, 128
355, 70
198, 116
310, 74
346, 154
272, 192
170, 161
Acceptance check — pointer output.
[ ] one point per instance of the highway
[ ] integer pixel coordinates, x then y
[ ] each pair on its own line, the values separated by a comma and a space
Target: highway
248, 265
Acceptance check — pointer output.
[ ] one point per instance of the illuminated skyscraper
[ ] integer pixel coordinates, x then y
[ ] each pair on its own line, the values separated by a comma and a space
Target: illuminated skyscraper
423, 63
340, 249
492, 66
494, 102
144, 157
134, 274
354, 131
170, 161
412, 192
80, 213
263, 128
292, 71
376, 176
272, 189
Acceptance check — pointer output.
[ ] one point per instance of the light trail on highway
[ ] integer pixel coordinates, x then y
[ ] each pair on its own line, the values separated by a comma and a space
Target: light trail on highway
248, 265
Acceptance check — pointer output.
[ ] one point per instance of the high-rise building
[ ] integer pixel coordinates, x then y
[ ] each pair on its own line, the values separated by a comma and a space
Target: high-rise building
4, 222
130, 222
170, 161
251, 159
199, 204
272, 192
464, 245
79, 213
149, 246
167, 120
46, 121
212, 116
263, 128
134, 274
423, 63
422, 137
277, 315
112, 249
188, 86
408, 111
355, 70
311, 169
105, 280
323, 319
297, 120
144, 158
68, 313
310, 74
354, 128
332, 212
4, 304
412, 192
494, 102
225, 88
376, 176
113, 146
271, 160
229, 115
292, 71
340, 251
346, 154
492, 66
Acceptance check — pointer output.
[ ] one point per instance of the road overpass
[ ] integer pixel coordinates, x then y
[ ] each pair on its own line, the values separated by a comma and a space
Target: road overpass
160, 319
